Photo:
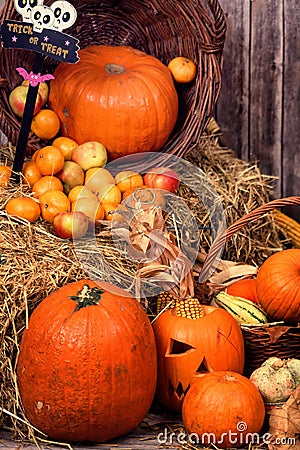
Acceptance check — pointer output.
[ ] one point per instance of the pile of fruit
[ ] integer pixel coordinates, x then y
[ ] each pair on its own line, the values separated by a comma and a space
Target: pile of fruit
72, 189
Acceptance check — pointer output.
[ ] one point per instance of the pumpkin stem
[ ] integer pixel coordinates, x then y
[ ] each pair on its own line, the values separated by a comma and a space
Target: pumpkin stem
114, 68
87, 296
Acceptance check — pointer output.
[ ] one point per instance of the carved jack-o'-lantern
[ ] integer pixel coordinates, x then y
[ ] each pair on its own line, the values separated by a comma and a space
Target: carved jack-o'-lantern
188, 347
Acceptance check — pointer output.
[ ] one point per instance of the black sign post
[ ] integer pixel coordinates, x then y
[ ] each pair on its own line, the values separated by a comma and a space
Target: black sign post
26, 121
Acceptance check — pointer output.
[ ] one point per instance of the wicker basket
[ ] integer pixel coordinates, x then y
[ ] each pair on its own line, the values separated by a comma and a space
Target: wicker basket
165, 29
261, 342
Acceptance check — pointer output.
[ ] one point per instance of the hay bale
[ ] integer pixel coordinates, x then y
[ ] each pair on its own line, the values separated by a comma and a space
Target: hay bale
34, 262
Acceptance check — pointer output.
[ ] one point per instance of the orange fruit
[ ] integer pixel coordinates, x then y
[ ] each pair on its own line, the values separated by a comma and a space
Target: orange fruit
24, 207
97, 176
45, 124
5, 173
183, 69
90, 207
50, 160
53, 202
46, 184
35, 155
66, 145
127, 179
80, 192
110, 211
131, 190
31, 173
109, 193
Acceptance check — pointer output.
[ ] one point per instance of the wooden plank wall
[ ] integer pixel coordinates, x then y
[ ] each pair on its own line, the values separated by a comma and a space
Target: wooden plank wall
259, 106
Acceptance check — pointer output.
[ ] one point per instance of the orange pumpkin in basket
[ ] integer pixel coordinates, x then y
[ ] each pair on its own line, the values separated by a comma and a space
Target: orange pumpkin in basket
278, 285
118, 96
244, 288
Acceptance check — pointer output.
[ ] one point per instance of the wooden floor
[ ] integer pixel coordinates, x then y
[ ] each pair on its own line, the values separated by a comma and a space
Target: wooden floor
144, 437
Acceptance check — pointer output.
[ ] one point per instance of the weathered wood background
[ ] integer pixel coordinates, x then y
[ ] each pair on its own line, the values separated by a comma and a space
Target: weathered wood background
259, 107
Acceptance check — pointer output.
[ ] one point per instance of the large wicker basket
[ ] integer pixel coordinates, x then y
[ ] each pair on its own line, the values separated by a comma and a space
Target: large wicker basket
261, 342
165, 29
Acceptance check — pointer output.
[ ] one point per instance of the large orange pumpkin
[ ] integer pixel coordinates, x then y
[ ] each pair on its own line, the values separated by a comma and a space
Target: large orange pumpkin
118, 96
188, 348
278, 285
225, 409
87, 363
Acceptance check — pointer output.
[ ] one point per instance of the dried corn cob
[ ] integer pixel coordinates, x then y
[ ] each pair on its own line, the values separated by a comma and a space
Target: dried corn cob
164, 300
289, 226
189, 307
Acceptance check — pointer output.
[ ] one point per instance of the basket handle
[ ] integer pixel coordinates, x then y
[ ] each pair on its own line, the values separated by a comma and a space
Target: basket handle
232, 229
219, 28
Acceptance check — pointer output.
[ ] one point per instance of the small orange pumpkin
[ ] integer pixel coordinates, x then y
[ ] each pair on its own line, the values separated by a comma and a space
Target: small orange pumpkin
87, 363
278, 285
223, 408
118, 96
245, 288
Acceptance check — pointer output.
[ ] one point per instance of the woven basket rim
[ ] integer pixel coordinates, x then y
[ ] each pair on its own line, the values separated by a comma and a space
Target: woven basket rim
195, 28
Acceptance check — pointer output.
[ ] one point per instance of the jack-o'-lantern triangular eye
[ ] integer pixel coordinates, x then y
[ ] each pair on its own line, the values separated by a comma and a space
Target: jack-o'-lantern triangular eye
203, 368
177, 347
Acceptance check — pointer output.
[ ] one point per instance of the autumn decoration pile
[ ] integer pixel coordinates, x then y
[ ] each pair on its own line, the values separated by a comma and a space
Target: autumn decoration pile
89, 358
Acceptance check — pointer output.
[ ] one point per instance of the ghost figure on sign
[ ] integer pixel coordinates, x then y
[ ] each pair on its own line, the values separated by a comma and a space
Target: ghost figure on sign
42, 17
64, 13
24, 7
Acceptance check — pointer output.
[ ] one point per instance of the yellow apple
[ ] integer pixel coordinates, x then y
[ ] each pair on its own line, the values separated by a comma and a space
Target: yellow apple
90, 154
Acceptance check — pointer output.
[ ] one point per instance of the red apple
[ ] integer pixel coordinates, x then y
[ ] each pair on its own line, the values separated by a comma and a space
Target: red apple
70, 225
90, 154
71, 175
43, 90
17, 100
162, 178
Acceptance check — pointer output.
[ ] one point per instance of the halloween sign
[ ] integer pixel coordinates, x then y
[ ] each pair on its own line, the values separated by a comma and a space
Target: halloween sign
41, 31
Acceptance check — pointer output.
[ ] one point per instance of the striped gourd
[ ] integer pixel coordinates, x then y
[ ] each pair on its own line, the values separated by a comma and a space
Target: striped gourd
244, 311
